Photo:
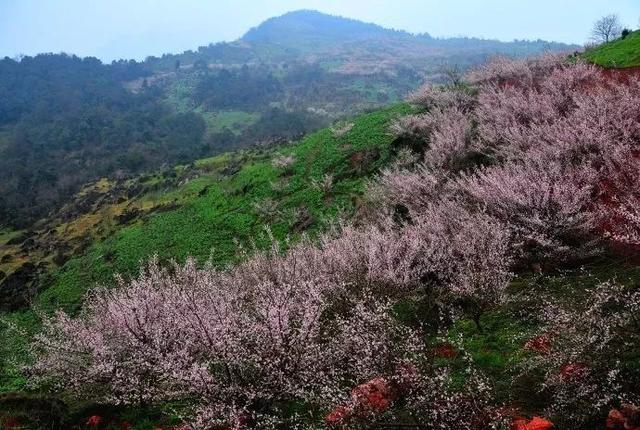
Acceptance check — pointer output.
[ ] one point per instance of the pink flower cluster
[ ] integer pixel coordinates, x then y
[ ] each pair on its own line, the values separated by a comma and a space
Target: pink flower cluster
548, 148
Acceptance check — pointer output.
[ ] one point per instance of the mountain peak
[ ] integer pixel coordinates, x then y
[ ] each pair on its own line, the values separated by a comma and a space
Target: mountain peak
302, 28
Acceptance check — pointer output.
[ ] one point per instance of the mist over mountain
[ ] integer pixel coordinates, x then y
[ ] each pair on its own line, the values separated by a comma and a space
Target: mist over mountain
315, 29
67, 120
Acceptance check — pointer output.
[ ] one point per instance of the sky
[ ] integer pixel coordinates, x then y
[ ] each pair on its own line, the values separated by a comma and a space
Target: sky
114, 29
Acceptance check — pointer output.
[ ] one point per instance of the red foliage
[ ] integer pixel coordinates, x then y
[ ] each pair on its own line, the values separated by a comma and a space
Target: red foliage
536, 423
94, 421
125, 425
520, 424
374, 396
10, 423
573, 370
628, 418
540, 344
339, 416
445, 350
367, 399
615, 420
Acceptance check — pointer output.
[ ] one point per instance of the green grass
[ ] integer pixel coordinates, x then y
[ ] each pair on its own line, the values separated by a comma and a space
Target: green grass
236, 121
216, 212
617, 54
7, 235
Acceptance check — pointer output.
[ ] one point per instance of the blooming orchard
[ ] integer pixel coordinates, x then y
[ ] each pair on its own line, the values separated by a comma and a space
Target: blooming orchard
532, 163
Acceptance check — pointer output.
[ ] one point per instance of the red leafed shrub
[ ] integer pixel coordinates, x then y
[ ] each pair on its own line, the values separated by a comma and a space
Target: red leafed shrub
540, 344
94, 421
339, 416
372, 397
536, 423
10, 423
367, 400
625, 418
125, 425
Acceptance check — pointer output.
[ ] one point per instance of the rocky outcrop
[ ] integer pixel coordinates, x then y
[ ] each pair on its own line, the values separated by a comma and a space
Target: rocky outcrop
17, 288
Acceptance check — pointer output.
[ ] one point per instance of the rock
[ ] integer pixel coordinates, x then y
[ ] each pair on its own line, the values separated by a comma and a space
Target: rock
17, 288
362, 160
128, 215
303, 221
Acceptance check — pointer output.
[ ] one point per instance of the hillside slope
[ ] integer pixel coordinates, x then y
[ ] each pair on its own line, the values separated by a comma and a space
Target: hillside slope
289, 76
498, 307
621, 53
204, 210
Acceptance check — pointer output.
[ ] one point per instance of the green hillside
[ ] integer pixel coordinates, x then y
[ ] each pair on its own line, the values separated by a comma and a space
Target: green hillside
621, 53
204, 211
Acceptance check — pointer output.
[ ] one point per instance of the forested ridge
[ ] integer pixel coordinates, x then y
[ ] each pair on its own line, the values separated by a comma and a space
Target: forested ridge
65, 121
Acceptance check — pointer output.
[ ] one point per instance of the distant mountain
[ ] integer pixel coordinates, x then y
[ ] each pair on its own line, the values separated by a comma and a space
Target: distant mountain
311, 30
348, 46
65, 121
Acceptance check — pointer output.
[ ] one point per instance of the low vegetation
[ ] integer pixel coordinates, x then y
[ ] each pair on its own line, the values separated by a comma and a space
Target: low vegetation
203, 210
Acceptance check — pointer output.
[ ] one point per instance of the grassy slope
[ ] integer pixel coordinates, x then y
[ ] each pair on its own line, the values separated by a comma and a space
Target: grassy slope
216, 211
618, 54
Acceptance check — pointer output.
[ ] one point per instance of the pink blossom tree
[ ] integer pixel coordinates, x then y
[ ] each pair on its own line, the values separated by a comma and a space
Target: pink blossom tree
239, 350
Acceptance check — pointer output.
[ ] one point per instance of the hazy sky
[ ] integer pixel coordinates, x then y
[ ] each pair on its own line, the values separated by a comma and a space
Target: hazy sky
111, 29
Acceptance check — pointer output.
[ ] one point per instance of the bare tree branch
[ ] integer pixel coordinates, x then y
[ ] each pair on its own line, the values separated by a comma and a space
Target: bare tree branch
606, 29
